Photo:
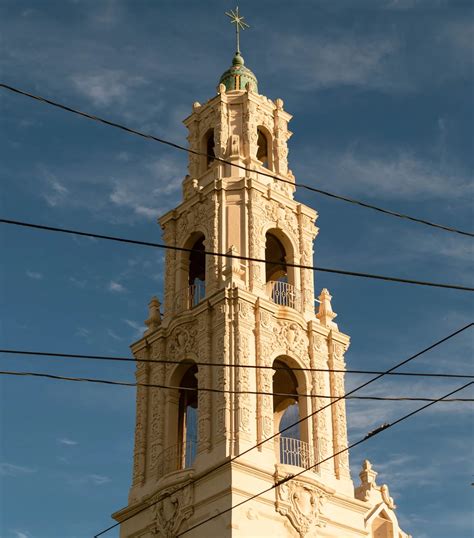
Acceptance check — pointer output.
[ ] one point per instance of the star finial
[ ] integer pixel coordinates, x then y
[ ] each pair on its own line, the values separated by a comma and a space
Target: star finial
236, 19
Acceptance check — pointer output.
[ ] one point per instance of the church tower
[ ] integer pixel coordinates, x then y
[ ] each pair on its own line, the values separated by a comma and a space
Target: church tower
239, 329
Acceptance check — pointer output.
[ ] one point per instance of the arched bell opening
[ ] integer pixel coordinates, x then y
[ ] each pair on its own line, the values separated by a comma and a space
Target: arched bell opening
280, 279
264, 147
192, 273
187, 418
208, 149
289, 406
182, 420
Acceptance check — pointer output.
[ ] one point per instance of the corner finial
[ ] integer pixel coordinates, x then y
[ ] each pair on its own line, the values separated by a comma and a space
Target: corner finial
325, 313
367, 474
154, 314
236, 19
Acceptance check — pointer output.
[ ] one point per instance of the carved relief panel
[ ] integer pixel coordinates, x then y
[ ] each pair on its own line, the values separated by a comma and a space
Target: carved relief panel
302, 503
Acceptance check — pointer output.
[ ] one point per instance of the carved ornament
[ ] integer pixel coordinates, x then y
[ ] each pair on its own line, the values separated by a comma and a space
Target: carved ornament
175, 507
302, 504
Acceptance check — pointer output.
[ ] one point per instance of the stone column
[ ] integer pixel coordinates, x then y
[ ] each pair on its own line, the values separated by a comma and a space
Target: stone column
336, 362
322, 431
157, 409
139, 461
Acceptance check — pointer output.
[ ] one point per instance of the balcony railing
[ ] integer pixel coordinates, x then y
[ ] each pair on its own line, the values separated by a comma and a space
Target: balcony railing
190, 296
294, 452
284, 294
176, 457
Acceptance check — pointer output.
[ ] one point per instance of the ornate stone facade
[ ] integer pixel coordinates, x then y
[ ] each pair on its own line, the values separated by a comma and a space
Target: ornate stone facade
243, 324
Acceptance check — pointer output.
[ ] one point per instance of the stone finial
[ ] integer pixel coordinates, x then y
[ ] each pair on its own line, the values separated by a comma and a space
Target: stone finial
196, 105
221, 89
367, 475
154, 314
325, 313
279, 103
368, 488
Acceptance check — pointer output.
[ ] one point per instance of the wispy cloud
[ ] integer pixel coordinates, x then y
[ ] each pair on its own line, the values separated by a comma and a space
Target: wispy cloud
166, 173
67, 442
107, 87
55, 193
116, 287
78, 282
10, 469
34, 275
83, 333
98, 479
395, 174
21, 534
137, 327
364, 416
91, 479
111, 333
338, 59
128, 189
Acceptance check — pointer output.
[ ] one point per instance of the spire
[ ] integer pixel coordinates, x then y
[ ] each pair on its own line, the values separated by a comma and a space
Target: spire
238, 77
236, 19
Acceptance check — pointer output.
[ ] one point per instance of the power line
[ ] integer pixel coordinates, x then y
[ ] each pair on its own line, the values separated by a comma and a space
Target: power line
221, 365
218, 391
260, 443
233, 256
349, 447
224, 161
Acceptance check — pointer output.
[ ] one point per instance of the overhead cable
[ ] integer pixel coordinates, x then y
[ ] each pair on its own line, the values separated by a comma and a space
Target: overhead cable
218, 391
346, 449
224, 365
233, 256
224, 161
260, 443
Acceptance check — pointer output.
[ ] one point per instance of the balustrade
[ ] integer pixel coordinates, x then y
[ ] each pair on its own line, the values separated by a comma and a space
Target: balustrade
284, 294
294, 452
176, 457
190, 296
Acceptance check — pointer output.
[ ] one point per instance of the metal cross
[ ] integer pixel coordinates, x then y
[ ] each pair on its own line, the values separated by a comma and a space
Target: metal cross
236, 19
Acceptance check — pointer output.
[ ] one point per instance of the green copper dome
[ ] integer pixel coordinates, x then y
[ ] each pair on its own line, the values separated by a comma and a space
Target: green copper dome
237, 77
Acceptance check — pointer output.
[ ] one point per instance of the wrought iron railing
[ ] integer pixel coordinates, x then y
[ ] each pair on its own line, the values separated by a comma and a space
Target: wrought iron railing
190, 296
284, 294
176, 457
294, 452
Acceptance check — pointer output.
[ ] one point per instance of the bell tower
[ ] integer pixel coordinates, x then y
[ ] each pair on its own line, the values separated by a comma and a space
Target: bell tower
256, 323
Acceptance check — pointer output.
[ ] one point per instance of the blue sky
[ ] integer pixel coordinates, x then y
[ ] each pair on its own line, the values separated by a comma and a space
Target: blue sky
382, 100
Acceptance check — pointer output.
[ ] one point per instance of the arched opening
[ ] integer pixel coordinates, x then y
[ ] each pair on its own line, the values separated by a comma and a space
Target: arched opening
187, 418
197, 262
194, 287
181, 420
292, 445
275, 252
264, 147
279, 277
382, 527
208, 147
